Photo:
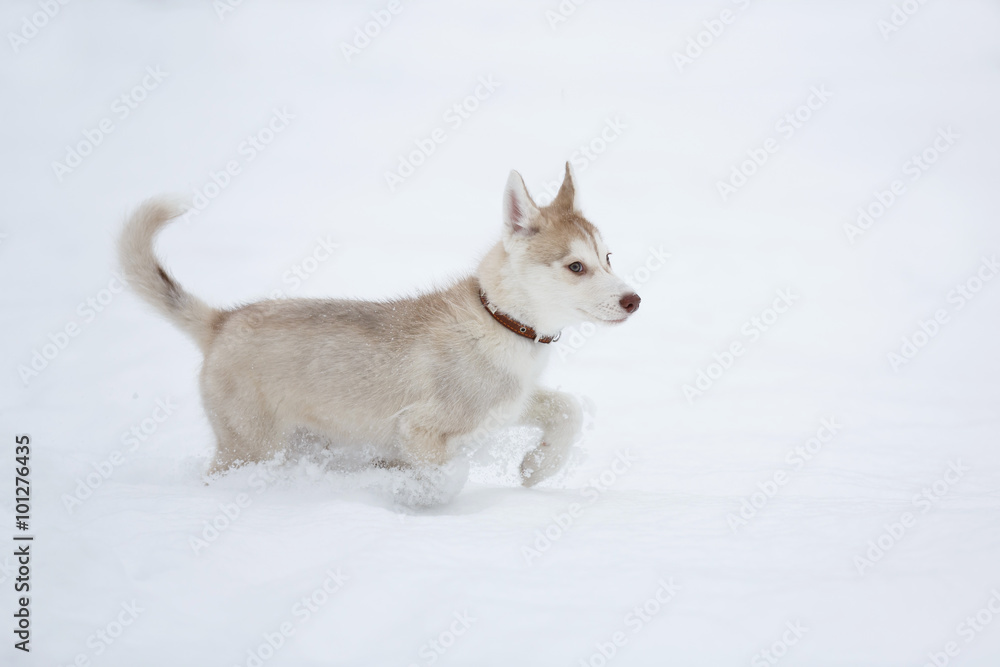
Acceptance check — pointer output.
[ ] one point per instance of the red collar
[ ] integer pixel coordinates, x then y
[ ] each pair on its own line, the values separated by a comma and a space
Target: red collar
512, 324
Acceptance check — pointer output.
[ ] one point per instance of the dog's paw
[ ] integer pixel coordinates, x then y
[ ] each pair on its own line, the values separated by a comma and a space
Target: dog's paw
430, 486
535, 467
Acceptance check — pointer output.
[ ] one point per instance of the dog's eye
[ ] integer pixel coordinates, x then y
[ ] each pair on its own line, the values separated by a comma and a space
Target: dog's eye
608, 259
575, 267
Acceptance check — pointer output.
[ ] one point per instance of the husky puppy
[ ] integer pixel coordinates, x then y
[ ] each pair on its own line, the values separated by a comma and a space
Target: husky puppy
413, 381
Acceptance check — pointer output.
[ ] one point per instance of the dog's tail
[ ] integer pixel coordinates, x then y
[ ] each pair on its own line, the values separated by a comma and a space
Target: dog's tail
143, 271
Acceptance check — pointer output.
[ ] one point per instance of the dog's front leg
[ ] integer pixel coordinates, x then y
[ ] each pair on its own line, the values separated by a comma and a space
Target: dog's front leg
560, 417
435, 475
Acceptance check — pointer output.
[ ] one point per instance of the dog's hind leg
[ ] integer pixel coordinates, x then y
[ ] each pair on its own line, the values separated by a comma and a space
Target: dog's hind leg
252, 442
245, 429
560, 417
227, 447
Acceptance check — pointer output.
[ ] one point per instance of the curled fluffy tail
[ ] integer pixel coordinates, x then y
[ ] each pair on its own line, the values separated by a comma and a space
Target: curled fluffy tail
145, 274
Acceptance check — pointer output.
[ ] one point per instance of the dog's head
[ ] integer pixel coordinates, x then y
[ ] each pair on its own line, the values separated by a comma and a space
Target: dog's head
558, 261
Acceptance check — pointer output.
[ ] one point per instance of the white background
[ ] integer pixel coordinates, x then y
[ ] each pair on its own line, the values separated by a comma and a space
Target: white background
669, 515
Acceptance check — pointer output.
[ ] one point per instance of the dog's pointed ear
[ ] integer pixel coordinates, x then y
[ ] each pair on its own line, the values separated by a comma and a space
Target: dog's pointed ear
519, 211
566, 199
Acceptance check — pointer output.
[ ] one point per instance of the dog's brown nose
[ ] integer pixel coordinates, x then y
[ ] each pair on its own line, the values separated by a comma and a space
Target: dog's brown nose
630, 302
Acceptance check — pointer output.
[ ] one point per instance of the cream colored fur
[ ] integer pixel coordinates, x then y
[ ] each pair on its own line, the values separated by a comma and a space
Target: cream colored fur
412, 381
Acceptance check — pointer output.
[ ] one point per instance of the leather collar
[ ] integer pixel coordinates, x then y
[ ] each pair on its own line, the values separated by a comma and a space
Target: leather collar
512, 324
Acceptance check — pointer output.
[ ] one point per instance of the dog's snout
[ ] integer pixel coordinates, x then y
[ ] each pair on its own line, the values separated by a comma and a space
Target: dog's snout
630, 302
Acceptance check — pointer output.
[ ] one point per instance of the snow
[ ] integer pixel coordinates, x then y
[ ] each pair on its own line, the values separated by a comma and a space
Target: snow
383, 582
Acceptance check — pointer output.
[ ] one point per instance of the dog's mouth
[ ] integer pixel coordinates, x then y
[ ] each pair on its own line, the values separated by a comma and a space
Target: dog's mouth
601, 319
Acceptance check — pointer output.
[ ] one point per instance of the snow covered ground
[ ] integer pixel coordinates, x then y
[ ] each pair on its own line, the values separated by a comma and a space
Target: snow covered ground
827, 495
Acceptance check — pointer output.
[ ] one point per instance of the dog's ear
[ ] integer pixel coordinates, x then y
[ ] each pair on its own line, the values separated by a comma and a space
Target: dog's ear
519, 211
566, 199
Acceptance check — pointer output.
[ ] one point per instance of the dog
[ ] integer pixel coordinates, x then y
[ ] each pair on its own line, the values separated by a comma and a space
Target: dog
413, 381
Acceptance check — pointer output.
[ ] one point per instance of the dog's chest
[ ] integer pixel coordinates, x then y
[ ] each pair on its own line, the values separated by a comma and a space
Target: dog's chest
515, 384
